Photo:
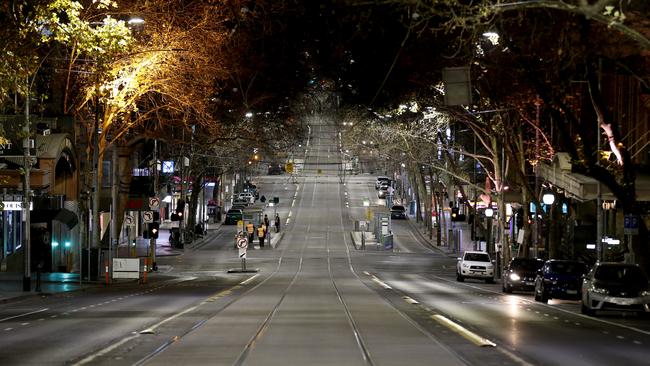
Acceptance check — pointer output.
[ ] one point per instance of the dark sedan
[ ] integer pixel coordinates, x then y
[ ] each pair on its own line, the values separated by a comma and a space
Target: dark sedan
520, 274
232, 216
559, 279
398, 212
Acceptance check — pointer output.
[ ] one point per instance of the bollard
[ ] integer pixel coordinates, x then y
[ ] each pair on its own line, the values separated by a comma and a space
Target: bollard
144, 273
106, 269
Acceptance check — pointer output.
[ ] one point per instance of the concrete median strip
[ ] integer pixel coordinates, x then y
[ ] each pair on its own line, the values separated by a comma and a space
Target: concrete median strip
470, 336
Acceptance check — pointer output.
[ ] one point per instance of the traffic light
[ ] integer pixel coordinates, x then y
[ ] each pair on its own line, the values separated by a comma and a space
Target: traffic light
153, 230
178, 212
180, 208
456, 216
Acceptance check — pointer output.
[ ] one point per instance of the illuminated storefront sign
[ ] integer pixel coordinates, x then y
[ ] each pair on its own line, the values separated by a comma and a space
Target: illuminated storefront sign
14, 206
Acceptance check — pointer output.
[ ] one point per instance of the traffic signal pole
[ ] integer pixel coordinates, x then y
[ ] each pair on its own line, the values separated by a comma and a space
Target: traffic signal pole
154, 266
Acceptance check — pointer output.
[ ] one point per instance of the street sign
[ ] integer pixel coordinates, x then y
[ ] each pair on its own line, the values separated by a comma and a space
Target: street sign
242, 253
154, 203
242, 243
631, 225
147, 217
129, 220
288, 167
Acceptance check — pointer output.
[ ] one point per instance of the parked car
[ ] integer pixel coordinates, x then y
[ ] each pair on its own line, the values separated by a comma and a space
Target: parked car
520, 274
398, 212
275, 169
232, 216
475, 264
247, 196
382, 192
381, 179
241, 202
615, 286
559, 279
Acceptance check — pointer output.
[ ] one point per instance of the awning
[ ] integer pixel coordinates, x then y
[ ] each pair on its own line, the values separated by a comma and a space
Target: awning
582, 187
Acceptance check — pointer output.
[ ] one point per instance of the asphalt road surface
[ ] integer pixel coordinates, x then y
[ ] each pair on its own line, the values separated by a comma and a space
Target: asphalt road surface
314, 300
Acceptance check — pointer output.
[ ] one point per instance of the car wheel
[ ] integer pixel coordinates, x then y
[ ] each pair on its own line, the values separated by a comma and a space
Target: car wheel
507, 288
489, 280
459, 277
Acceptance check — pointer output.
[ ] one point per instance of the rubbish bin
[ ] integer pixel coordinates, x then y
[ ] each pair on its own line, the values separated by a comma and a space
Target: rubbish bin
388, 241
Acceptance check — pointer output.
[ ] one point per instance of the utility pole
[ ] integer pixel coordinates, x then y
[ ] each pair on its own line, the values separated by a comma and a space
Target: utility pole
27, 277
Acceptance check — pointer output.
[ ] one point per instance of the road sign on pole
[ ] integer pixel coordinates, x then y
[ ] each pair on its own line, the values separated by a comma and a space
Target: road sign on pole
242, 243
631, 225
147, 217
154, 203
129, 220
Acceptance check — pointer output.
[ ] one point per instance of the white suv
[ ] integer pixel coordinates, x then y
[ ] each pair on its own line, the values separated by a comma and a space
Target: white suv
474, 264
247, 196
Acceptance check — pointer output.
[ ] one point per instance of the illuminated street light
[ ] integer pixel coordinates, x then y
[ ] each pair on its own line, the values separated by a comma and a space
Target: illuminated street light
136, 20
248, 114
548, 198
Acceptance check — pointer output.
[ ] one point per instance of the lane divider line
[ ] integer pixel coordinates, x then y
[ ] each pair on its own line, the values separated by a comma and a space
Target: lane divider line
248, 280
25, 314
463, 332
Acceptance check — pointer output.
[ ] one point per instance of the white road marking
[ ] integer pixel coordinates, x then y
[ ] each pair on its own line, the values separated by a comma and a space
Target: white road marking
149, 330
462, 331
410, 300
558, 309
25, 314
248, 280
381, 283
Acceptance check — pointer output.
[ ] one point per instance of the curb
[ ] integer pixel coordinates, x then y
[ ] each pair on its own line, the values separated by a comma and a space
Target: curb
428, 241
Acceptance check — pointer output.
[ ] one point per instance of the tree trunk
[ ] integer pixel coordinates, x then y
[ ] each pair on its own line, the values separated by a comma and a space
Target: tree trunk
197, 186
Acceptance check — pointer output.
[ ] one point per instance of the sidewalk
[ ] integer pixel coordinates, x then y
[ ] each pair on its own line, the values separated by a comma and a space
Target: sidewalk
11, 283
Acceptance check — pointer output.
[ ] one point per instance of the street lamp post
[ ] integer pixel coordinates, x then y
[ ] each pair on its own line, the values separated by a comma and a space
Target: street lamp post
489, 213
27, 277
548, 199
